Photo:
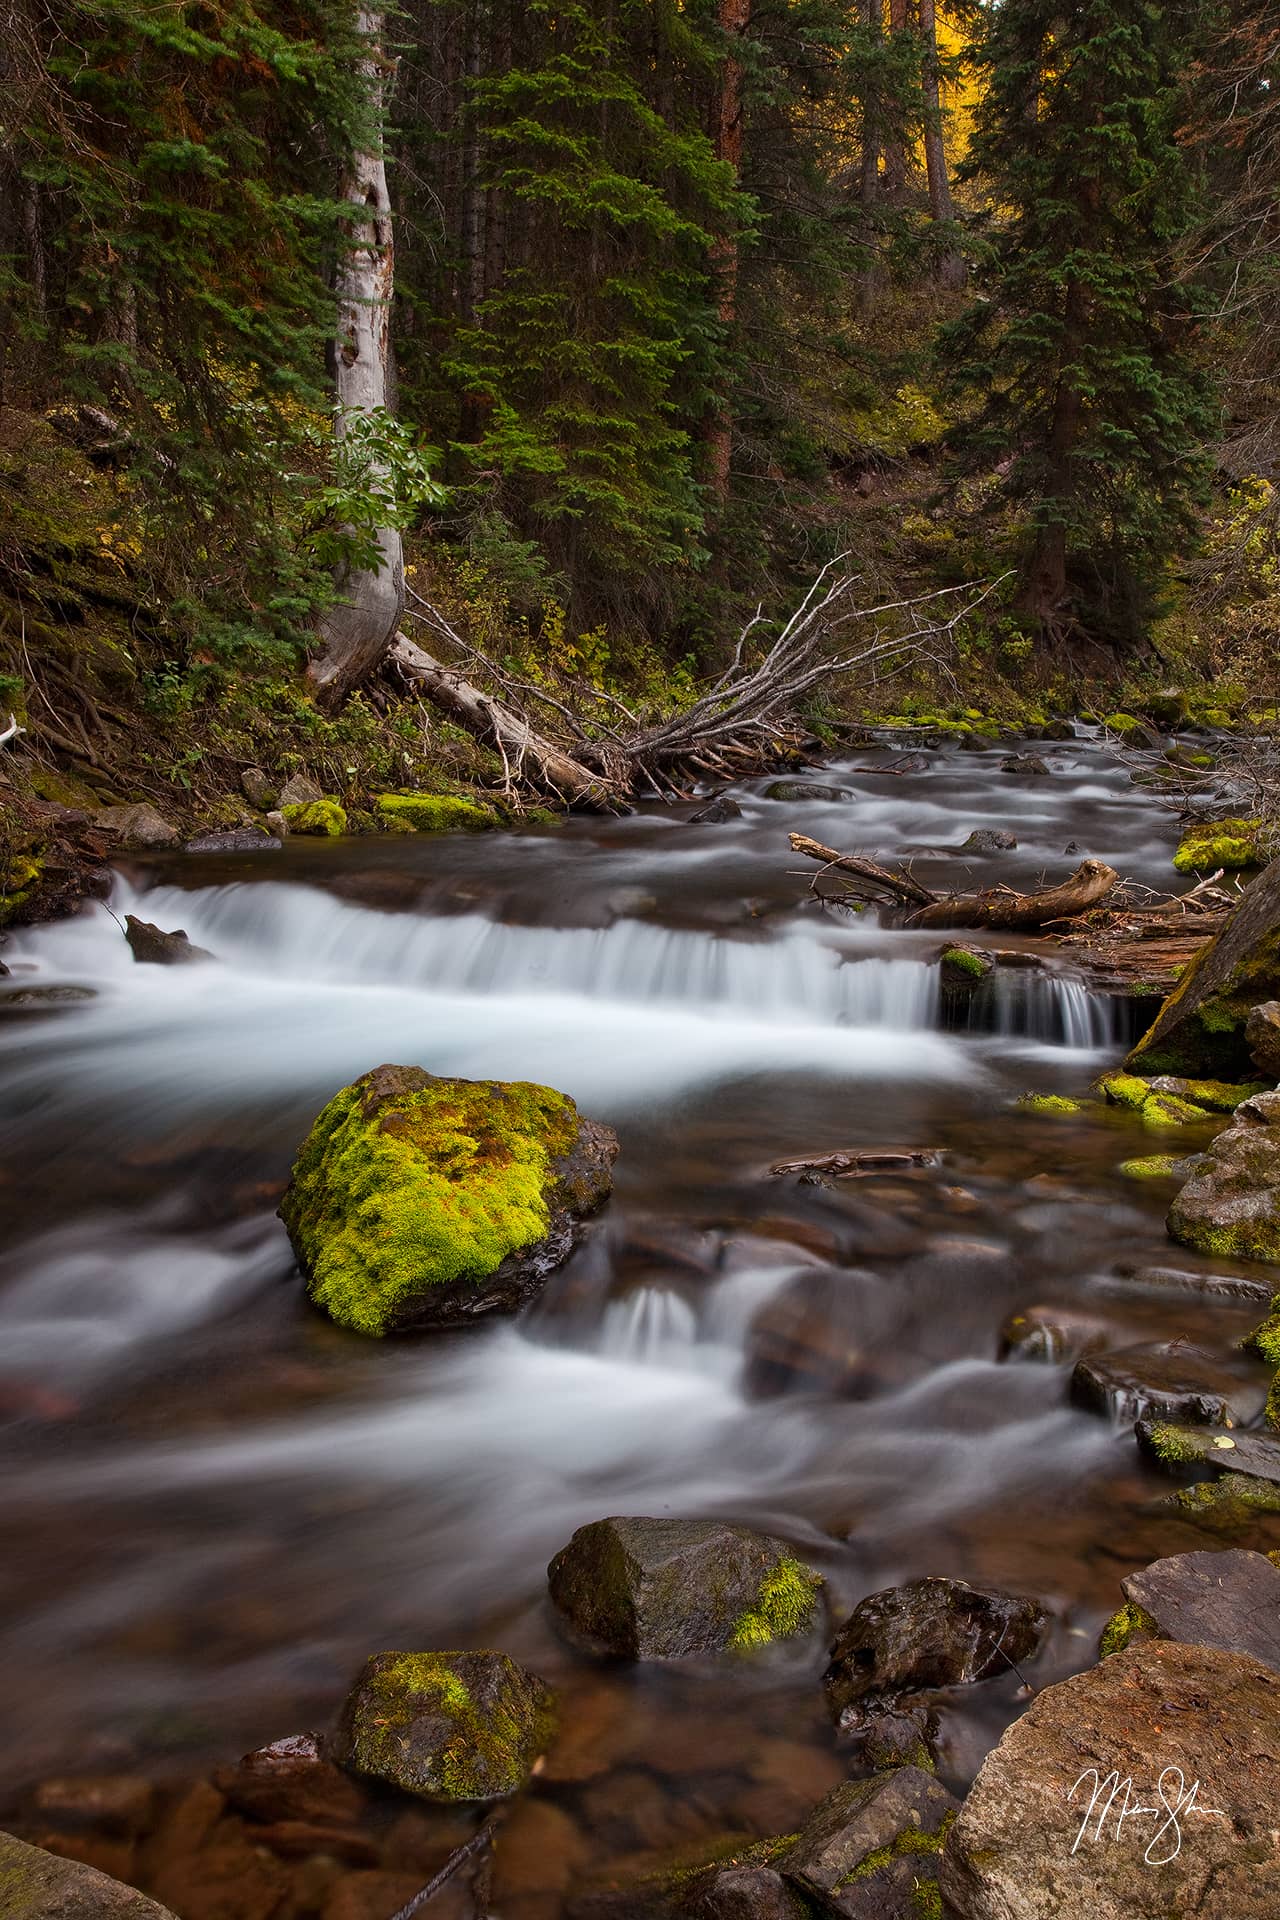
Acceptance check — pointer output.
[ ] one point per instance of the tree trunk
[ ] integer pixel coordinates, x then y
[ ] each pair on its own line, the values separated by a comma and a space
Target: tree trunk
356, 632
935, 158
895, 146
735, 17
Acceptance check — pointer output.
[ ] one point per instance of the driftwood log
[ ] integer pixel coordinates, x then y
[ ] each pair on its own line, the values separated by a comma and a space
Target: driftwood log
998, 908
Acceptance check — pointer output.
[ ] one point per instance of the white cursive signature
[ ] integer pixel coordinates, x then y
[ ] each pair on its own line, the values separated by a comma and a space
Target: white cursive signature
1112, 1799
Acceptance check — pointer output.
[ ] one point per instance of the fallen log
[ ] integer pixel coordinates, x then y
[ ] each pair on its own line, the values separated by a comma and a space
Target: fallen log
863, 1160
488, 719
1014, 912
899, 886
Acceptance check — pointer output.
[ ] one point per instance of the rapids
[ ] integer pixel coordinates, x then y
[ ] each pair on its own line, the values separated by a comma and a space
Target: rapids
217, 1504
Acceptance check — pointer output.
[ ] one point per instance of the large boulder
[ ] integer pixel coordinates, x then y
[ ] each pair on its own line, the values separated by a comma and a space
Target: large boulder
647, 1589
929, 1633
1144, 1788
1201, 1028
870, 1850
1230, 1206
152, 946
423, 1202
35, 1885
446, 1726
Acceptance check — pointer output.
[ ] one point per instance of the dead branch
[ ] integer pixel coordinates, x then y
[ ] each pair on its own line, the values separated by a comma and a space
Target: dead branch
479, 1843
1001, 907
884, 880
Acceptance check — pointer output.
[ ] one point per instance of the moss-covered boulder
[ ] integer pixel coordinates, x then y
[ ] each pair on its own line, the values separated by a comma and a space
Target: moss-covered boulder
434, 813
424, 1202
1200, 1030
1214, 844
1230, 1207
1131, 730
870, 1850
326, 819
661, 1589
446, 1726
1050, 1103
35, 1885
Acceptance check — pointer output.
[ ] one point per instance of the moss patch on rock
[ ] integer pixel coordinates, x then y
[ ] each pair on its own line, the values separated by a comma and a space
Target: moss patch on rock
1050, 1103
326, 818
435, 813
446, 1726
424, 1201
1212, 844
1124, 1089
1127, 1623
783, 1606
1151, 1166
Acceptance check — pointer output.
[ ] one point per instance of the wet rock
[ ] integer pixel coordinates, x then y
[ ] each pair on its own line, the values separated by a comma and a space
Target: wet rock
1025, 763
151, 945
260, 791
989, 840
1172, 1379
1051, 1334
804, 790
900, 1737
1227, 1599
870, 1850
716, 812
36, 1885
139, 827
1168, 708
324, 819
1201, 1028
963, 969
292, 1780
230, 1879
909, 763
1057, 730
233, 840
1074, 847
425, 1202
1026, 1847
1231, 1203
299, 791
278, 825
1181, 1449
111, 1803
1213, 1286
656, 1589
445, 1726
1262, 1038
741, 1893
824, 1331
1131, 731
541, 1850
929, 1633
1217, 1096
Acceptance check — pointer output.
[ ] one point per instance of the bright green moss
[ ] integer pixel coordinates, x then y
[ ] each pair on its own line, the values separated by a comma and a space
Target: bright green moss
1167, 1110
1124, 1089
1265, 1338
323, 817
783, 1606
471, 1750
1175, 1446
19, 876
1272, 1411
1154, 1166
1222, 1096
912, 1843
1231, 1500
435, 813
432, 1187
966, 962
1123, 1626
1049, 1103
1211, 844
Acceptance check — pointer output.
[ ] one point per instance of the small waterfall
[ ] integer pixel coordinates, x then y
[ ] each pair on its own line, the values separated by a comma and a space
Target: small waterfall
1031, 1003
652, 1326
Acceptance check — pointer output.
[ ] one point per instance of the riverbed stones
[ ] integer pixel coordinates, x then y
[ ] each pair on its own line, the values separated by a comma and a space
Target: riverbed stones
661, 1589
1212, 1286
823, 1331
1169, 1378
1033, 1843
1051, 1334
989, 840
421, 1202
1180, 1449
258, 789
1025, 763
35, 1885
152, 946
928, 1633
1202, 1027
716, 812
292, 1779
870, 1850
793, 790
1225, 1598
233, 840
446, 1726
1230, 1206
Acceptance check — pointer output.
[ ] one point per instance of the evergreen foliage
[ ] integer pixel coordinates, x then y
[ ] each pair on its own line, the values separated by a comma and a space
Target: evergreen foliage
1082, 346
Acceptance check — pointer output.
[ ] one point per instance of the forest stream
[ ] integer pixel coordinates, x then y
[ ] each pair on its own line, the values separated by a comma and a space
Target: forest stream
218, 1502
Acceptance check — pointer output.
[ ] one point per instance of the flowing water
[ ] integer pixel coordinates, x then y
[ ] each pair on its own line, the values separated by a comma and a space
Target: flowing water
217, 1503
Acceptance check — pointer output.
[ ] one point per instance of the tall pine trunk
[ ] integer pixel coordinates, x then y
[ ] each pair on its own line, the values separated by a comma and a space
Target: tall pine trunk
895, 146
735, 17
356, 632
951, 267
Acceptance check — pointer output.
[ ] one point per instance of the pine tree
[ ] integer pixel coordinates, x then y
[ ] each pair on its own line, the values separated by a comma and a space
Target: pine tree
1082, 354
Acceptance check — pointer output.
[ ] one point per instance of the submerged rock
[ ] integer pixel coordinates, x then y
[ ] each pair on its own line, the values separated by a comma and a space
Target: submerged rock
424, 1202
870, 1850
1172, 1379
233, 840
716, 812
35, 1885
823, 1331
929, 1633
1201, 1028
804, 790
1051, 1334
1228, 1599
1230, 1206
151, 945
1025, 763
1038, 1837
446, 1726
989, 840
292, 1779
656, 1589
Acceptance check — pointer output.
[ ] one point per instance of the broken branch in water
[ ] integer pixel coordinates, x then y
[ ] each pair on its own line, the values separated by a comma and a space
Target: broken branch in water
997, 907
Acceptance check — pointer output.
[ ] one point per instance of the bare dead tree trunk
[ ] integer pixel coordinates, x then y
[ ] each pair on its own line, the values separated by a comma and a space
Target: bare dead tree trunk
998, 908
356, 632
